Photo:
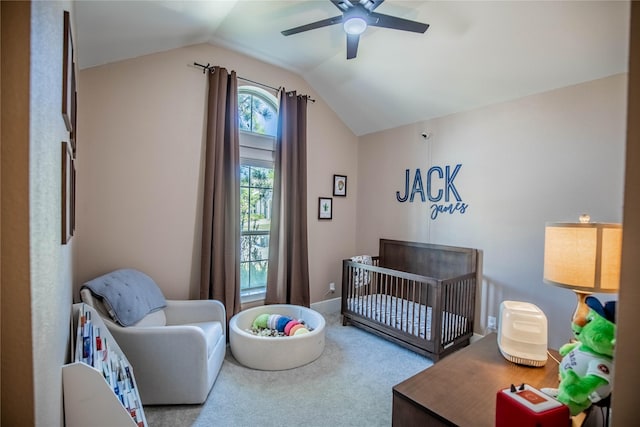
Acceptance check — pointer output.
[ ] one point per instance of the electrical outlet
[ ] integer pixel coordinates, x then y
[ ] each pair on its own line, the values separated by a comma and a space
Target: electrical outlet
491, 323
332, 287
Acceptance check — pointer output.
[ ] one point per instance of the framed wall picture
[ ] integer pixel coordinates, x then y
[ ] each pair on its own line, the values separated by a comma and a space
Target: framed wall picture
74, 110
339, 185
68, 198
73, 193
325, 207
67, 73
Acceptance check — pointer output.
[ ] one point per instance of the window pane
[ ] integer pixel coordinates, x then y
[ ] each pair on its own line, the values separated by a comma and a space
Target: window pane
263, 114
259, 248
271, 125
264, 203
254, 247
261, 177
244, 209
258, 273
245, 248
257, 210
244, 175
257, 114
253, 276
244, 276
244, 111
255, 199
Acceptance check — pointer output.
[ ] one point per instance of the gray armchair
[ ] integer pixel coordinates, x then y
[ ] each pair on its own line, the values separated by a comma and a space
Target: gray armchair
176, 348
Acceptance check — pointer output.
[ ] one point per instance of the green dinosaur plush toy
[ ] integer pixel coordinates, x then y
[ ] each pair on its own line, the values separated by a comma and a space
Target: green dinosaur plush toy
586, 367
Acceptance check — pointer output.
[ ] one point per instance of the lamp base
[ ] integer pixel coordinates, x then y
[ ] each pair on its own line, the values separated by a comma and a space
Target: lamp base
582, 309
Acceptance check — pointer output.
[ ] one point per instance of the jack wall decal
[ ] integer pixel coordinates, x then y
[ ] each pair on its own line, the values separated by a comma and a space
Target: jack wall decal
440, 196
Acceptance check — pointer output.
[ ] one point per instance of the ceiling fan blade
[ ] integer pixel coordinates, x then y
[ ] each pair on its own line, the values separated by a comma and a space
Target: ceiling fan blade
344, 5
371, 5
352, 45
395, 23
313, 25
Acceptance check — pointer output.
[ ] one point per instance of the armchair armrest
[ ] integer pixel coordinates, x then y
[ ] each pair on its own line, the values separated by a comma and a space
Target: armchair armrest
169, 362
180, 312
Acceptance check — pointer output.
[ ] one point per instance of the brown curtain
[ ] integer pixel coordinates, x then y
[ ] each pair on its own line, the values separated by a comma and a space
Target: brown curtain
220, 267
288, 271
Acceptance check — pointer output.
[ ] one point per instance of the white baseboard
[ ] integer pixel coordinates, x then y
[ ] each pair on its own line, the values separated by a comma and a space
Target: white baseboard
475, 337
328, 306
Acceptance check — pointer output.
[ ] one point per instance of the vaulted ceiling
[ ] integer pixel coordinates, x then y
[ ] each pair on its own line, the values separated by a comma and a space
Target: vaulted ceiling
475, 53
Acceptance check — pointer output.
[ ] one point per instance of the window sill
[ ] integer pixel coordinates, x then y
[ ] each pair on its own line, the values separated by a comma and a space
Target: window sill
252, 298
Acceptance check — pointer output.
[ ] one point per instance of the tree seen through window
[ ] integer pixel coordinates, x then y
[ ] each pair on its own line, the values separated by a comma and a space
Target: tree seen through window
256, 190
256, 114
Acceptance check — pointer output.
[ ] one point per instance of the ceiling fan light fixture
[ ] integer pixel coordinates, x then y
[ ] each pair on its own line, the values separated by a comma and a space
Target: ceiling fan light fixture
355, 25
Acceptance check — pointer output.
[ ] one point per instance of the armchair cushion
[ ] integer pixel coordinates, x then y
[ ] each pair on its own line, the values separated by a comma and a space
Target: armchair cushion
128, 295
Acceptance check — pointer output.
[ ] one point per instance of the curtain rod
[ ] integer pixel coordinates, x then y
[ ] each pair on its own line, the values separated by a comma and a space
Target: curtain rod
207, 67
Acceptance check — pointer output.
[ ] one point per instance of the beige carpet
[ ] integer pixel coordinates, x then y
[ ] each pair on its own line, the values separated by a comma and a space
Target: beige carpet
350, 384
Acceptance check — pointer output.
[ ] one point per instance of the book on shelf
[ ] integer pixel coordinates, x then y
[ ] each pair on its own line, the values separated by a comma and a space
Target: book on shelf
94, 350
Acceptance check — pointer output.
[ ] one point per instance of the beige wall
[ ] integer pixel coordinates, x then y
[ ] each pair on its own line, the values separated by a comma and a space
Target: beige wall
547, 157
51, 262
141, 124
36, 268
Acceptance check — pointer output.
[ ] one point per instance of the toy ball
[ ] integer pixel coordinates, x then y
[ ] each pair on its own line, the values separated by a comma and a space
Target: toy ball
273, 321
282, 322
260, 322
289, 325
293, 330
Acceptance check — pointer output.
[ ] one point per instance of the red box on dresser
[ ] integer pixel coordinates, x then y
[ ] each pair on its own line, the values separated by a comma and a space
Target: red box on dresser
526, 406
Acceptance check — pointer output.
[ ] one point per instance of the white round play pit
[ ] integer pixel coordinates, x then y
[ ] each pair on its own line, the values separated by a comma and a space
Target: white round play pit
276, 353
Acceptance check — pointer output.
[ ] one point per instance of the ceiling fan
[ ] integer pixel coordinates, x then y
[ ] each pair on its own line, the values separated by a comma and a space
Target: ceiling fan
356, 16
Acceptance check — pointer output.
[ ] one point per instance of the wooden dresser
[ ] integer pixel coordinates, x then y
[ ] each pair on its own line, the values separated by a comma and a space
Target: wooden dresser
460, 390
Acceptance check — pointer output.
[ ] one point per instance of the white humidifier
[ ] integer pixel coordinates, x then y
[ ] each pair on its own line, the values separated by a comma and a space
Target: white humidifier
522, 333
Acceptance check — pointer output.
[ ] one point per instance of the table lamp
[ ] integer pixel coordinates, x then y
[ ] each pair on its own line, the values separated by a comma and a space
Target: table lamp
584, 257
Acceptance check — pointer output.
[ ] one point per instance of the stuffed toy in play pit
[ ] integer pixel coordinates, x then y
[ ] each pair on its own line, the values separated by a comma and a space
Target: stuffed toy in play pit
586, 367
277, 325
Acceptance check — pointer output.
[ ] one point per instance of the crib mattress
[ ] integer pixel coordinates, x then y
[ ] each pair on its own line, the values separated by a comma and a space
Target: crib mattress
408, 316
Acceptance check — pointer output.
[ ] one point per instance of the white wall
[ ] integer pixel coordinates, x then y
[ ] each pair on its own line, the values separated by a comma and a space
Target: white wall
547, 157
50, 262
140, 170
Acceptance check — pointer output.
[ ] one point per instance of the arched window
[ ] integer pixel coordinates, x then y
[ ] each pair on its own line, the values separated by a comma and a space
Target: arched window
258, 122
257, 111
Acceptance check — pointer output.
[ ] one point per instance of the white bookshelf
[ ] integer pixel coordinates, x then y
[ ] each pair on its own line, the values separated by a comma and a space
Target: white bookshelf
97, 390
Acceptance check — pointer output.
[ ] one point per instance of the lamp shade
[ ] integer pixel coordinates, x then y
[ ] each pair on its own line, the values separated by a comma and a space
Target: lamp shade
584, 257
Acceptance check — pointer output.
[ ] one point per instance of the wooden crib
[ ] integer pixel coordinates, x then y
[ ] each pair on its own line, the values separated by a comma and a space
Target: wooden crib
419, 295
